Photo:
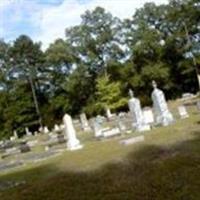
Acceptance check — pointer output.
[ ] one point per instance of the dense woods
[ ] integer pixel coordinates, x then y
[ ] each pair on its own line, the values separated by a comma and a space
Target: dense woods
97, 62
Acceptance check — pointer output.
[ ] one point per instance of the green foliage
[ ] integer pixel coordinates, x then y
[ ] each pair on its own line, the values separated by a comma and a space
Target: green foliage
108, 94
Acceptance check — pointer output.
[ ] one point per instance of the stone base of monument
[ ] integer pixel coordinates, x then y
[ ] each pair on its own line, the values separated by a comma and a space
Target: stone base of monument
86, 129
144, 128
74, 145
74, 148
132, 140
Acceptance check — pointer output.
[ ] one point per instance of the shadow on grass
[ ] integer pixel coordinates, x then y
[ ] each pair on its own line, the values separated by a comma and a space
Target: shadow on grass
152, 173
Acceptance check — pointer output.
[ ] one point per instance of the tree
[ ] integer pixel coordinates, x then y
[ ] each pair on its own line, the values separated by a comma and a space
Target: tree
108, 94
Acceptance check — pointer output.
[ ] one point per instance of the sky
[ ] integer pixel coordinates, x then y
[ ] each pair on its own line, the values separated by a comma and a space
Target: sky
46, 20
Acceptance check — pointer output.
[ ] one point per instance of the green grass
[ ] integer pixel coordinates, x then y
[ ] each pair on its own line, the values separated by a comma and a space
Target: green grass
164, 167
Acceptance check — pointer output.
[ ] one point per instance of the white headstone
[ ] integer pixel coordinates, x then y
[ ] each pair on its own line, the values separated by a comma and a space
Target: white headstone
97, 129
108, 113
137, 114
12, 138
72, 143
183, 112
148, 116
46, 130
56, 128
35, 133
40, 129
198, 105
28, 133
84, 122
15, 134
110, 132
132, 140
121, 126
162, 114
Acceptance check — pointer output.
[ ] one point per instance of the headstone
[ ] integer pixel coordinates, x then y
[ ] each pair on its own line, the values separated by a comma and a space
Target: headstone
121, 126
84, 122
15, 134
72, 142
187, 96
62, 126
110, 132
97, 129
46, 148
108, 113
122, 114
12, 138
162, 114
198, 105
28, 133
100, 119
32, 143
183, 112
35, 133
56, 128
40, 130
132, 140
137, 114
12, 151
148, 116
46, 130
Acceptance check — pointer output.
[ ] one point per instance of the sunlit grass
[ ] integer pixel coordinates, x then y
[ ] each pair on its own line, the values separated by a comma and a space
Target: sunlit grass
165, 166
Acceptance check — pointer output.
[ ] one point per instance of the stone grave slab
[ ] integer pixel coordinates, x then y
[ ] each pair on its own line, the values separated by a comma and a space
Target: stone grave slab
111, 132
132, 140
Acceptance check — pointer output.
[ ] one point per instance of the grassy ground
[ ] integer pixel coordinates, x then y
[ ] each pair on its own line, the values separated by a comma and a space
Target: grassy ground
164, 167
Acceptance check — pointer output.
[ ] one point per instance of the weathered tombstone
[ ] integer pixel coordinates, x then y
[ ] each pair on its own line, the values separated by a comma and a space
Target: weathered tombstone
72, 142
183, 112
47, 148
137, 114
32, 143
109, 132
62, 126
121, 126
12, 138
122, 114
162, 114
97, 128
46, 130
35, 133
28, 133
12, 151
148, 116
40, 130
56, 128
100, 119
108, 113
198, 105
132, 140
84, 122
187, 96
15, 134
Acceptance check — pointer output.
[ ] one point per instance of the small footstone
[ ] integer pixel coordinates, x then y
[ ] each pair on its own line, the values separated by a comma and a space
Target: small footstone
132, 140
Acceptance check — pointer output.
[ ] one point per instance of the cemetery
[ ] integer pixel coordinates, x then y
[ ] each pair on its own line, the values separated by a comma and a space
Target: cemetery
99, 100
73, 147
